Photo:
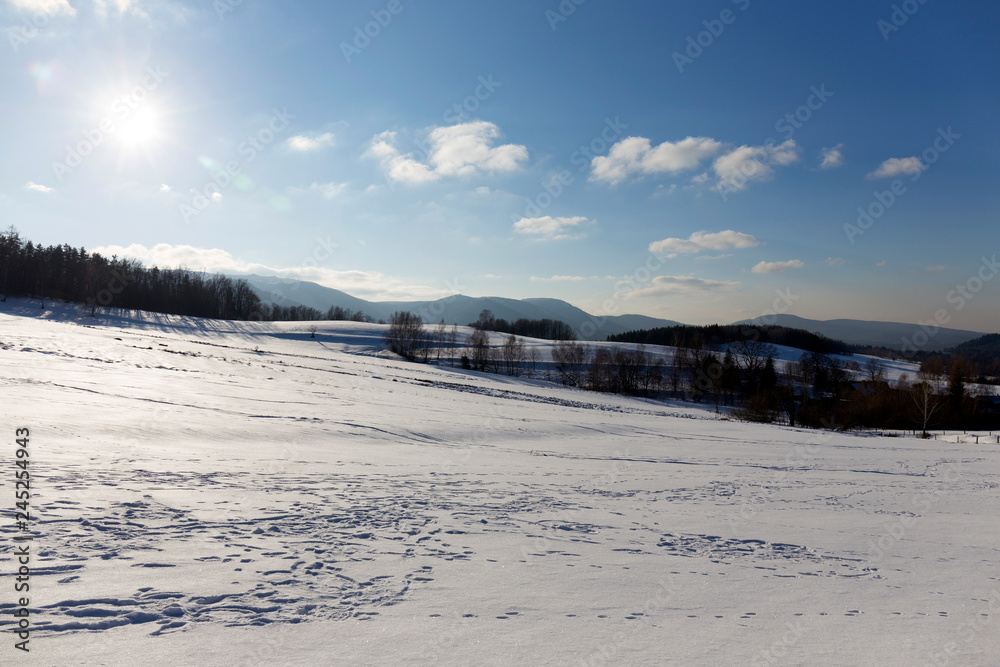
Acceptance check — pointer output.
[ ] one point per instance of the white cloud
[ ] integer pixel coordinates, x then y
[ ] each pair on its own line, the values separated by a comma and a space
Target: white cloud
882, 263
304, 143
834, 261
548, 228
636, 155
711, 257
50, 7
680, 285
164, 188
940, 267
456, 150
216, 196
830, 158
326, 190
777, 267
363, 284
743, 165
898, 166
557, 279
35, 187
482, 190
702, 241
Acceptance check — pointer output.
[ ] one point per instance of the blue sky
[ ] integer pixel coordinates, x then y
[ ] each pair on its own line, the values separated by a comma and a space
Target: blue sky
703, 162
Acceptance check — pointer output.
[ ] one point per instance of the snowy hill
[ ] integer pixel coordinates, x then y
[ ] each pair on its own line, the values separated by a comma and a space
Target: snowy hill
221, 493
456, 309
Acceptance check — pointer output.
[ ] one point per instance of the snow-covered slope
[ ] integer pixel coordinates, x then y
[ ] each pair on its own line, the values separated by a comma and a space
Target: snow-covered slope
221, 493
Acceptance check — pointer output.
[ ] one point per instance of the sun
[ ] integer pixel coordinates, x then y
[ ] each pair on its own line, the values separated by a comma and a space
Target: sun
139, 131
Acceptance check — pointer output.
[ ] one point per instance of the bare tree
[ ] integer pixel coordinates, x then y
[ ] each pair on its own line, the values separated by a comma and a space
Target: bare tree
875, 371
405, 334
752, 356
928, 403
453, 342
440, 338
534, 358
570, 358
512, 355
478, 343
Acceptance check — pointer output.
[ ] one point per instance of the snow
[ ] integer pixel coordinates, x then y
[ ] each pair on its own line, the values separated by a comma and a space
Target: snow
222, 493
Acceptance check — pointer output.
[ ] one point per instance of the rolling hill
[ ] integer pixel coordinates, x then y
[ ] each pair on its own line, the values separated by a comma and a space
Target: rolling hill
455, 309
861, 332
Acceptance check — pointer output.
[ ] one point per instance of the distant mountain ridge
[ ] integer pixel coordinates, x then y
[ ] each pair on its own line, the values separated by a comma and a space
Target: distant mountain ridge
894, 335
455, 309
461, 309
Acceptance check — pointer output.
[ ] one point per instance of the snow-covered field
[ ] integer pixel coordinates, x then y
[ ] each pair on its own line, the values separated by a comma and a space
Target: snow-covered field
217, 493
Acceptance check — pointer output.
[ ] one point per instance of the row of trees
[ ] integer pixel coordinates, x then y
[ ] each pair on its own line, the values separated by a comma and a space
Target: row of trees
545, 329
71, 274
717, 335
275, 313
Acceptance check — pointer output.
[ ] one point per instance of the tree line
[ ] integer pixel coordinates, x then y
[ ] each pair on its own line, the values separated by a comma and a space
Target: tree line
716, 335
545, 329
75, 275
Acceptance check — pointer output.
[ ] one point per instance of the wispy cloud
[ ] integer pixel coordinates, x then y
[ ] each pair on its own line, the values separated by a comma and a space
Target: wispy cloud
834, 261
50, 7
459, 150
548, 228
831, 158
304, 143
898, 166
36, 187
777, 267
735, 170
681, 285
326, 190
702, 241
940, 267
557, 279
